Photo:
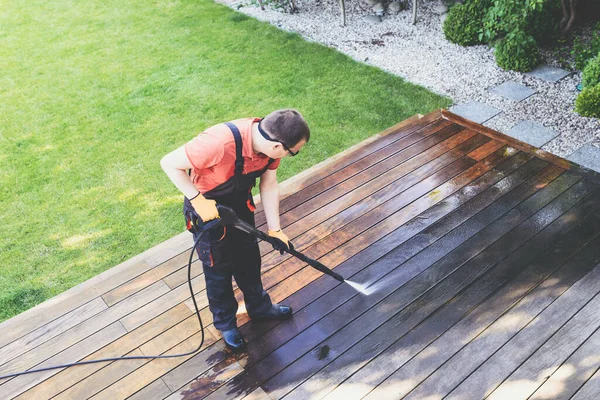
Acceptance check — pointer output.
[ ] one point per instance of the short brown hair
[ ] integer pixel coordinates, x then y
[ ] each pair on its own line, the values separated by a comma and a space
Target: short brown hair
287, 125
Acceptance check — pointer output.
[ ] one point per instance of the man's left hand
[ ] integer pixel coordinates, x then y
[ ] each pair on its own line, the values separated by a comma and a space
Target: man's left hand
281, 237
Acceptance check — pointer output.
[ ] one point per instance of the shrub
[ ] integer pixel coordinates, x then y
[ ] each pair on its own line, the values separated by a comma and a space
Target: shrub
584, 51
588, 102
591, 72
517, 51
460, 27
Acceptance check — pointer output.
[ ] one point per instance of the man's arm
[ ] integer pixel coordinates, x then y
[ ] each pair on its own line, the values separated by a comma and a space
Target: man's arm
269, 196
175, 164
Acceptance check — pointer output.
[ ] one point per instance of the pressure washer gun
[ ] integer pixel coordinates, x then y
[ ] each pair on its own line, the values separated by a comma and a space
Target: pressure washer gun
229, 217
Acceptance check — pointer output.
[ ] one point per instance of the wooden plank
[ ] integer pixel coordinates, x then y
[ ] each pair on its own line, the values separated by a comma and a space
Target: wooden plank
490, 374
544, 155
66, 302
328, 218
371, 181
386, 360
416, 225
157, 390
159, 344
146, 279
375, 330
550, 295
403, 351
98, 381
151, 371
488, 148
51, 330
127, 343
180, 276
82, 331
526, 379
287, 353
573, 373
350, 156
367, 162
163, 302
13, 387
590, 390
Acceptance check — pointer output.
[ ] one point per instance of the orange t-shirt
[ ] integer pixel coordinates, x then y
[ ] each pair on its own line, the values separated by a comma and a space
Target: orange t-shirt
212, 154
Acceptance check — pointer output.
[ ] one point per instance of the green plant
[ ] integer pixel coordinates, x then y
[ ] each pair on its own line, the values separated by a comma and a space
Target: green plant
459, 27
517, 51
587, 103
591, 72
463, 24
583, 51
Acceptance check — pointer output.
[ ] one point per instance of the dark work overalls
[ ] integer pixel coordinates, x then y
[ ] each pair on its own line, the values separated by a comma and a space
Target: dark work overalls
226, 251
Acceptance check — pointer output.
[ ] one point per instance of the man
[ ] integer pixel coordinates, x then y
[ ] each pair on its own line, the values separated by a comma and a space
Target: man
220, 166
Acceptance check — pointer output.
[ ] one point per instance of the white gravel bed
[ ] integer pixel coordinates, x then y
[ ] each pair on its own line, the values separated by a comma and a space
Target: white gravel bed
421, 54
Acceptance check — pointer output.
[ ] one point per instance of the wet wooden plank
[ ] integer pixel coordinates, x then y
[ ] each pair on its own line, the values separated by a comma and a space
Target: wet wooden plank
361, 339
315, 175
434, 214
546, 298
411, 353
379, 159
291, 350
383, 174
387, 359
334, 216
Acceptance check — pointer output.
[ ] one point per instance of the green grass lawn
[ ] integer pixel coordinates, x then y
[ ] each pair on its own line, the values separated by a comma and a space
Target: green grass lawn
94, 93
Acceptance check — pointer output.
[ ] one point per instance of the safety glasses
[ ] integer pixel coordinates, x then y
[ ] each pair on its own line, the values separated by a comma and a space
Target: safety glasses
266, 136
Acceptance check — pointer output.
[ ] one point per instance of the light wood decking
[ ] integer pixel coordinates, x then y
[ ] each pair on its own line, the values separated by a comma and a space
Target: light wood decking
482, 255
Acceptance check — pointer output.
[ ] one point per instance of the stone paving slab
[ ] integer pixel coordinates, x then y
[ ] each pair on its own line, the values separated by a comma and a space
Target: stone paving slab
588, 156
549, 73
533, 133
475, 111
513, 91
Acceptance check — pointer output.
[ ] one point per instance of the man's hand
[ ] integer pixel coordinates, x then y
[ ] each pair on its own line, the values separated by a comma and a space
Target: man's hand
282, 243
205, 208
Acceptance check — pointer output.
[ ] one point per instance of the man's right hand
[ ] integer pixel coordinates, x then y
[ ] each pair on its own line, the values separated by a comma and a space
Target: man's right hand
205, 208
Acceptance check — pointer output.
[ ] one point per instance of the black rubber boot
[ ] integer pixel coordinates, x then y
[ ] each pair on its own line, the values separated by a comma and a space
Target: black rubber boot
277, 311
234, 340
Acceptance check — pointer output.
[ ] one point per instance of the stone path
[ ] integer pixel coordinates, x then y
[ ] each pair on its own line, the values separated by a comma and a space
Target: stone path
527, 131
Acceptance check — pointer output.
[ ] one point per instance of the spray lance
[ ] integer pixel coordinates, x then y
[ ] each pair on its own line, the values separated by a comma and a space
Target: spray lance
227, 217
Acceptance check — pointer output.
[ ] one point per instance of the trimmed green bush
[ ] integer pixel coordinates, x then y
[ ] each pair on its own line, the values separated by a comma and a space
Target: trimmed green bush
591, 72
517, 51
588, 102
460, 27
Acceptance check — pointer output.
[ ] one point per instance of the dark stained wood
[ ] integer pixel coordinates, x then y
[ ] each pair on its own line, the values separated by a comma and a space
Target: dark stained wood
480, 248
546, 295
442, 319
411, 354
310, 337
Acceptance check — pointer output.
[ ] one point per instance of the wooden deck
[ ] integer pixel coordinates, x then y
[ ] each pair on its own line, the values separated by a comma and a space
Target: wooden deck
482, 255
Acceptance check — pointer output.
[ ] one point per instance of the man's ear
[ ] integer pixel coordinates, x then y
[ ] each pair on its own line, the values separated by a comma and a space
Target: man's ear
276, 147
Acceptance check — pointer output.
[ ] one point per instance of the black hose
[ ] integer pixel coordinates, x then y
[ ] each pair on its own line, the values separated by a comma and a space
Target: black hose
134, 357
